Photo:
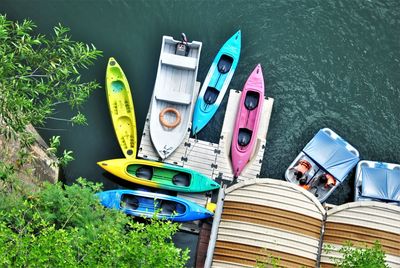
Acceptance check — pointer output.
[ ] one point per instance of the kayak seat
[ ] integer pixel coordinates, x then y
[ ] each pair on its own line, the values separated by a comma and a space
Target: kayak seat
251, 100
167, 207
181, 179
244, 136
117, 86
225, 64
144, 172
211, 95
129, 202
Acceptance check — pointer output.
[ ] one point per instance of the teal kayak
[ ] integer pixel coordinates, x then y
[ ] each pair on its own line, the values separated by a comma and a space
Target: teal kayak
216, 83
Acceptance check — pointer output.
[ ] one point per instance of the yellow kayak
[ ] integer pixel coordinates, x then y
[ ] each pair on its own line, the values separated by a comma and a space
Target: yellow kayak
121, 108
159, 175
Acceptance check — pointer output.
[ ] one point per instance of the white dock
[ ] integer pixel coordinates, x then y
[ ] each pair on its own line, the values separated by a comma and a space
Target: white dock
212, 160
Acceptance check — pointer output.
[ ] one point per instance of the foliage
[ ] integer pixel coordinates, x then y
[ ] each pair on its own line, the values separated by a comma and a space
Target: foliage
58, 227
37, 73
7, 177
66, 157
353, 257
268, 261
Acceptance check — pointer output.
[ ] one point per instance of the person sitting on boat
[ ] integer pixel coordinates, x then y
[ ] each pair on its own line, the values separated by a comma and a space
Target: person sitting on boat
302, 168
328, 180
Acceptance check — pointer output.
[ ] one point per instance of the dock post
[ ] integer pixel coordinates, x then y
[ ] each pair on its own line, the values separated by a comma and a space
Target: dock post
214, 228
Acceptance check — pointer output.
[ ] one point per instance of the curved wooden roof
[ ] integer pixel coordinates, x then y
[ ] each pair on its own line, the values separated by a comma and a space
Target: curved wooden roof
264, 217
363, 223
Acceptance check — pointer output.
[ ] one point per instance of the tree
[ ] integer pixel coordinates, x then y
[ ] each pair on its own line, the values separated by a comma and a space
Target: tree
58, 227
38, 73
352, 257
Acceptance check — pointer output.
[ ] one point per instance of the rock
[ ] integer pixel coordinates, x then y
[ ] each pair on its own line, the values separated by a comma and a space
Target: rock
36, 167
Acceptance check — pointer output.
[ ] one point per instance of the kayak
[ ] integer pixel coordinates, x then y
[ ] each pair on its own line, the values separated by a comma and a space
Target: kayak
159, 175
174, 91
247, 120
216, 83
121, 108
146, 204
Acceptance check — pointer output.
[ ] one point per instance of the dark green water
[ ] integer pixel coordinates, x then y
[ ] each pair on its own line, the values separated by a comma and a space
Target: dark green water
327, 63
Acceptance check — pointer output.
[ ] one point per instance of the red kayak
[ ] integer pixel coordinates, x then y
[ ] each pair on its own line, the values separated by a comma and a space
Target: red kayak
247, 120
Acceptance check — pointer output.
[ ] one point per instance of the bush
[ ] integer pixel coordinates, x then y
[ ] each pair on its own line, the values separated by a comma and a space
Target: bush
37, 73
68, 227
354, 257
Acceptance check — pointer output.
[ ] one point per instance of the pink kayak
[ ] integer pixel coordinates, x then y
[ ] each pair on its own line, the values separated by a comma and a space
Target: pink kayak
247, 120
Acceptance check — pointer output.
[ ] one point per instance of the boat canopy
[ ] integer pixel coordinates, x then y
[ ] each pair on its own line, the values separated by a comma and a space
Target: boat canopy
331, 154
381, 183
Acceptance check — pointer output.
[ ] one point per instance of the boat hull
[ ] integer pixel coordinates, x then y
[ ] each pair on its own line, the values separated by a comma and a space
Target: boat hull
159, 175
121, 108
148, 204
174, 91
216, 82
247, 120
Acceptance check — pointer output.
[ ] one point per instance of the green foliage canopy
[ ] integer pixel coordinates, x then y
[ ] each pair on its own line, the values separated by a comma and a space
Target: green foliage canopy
37, 73
354, 257
68, 227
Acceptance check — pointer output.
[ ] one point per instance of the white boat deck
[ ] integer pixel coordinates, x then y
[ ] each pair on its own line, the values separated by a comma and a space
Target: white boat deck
212, 159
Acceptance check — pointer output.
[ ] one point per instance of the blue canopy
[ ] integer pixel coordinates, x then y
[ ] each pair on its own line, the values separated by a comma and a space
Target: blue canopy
381, 183
331, 154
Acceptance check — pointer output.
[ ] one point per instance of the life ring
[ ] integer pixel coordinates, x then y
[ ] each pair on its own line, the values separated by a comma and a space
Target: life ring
164, 122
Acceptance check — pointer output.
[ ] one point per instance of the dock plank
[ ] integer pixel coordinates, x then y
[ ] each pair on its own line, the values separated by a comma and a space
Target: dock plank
211, 159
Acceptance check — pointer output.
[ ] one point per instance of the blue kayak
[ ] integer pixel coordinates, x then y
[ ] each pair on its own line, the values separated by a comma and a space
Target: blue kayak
144, 204
216, 83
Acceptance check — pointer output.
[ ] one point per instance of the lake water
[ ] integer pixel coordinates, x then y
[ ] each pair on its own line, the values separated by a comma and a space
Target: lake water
327, 63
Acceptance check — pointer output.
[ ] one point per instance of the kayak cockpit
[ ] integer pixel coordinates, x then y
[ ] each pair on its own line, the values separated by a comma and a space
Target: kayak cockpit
181, 179
160, 175
168, 207
244, 136
144, 172
129, 202
211, 95
224, 64
251, 100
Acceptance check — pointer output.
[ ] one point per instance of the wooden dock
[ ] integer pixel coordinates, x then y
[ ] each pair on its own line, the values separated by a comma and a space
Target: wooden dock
212, 159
